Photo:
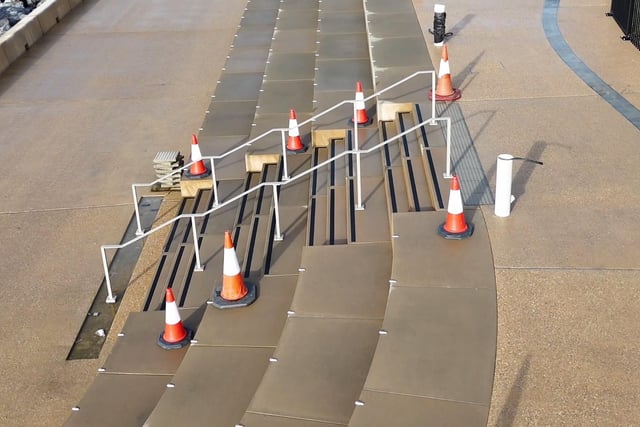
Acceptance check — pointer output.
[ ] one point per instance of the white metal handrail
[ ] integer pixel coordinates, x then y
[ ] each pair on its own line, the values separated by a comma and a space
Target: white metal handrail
111, 298
140, 232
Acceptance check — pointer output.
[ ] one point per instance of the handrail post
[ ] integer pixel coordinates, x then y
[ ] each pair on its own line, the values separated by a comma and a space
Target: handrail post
359, 206
285, 172
214, 186
199, 266
433, 98
111, 299
447, 173
139, 231
276, 208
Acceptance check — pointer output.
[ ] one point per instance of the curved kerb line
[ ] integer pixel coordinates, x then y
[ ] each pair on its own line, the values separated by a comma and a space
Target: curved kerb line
559, 44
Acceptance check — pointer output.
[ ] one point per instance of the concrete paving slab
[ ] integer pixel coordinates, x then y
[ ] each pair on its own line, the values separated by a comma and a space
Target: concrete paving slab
381, 6
106, 404
440, 343
345, 281
239, 86
282, 96
343, 46
341, 5
297, 18
289, 41
342, 75
253, 36
393, 52
334, 22
137, 352
276, 421
258, 325
290, 66
234, 374
232, 118
385, 409
257, 17
393, 24
421, 255
321, 366
246, 60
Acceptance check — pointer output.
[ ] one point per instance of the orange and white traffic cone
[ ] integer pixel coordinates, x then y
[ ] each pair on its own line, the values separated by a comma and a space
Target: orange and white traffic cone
197, 169
444, 88
294, 143
175, 335
455, 226
360, 116
234, 291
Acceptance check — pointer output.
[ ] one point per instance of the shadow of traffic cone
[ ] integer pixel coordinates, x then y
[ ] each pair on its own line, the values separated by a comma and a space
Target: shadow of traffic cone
198, 169
360, 109
444, 88
175, 335
294, 143
455, 226
234, 292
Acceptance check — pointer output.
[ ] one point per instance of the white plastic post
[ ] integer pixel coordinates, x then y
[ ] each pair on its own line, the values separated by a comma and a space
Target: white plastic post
196, 247
285, 172
503, 185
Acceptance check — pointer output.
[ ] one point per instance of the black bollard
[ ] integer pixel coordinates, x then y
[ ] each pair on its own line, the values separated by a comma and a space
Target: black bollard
439, 24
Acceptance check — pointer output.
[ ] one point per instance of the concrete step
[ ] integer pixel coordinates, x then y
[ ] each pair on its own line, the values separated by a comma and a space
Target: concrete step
138, 367
231, 113
325, 348
435, 361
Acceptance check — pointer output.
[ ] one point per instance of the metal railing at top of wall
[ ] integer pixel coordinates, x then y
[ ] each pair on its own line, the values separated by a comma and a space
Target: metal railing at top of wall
282, 131
286, 179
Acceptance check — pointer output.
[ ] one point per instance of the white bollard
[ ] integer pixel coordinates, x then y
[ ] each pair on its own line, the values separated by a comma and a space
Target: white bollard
503, 185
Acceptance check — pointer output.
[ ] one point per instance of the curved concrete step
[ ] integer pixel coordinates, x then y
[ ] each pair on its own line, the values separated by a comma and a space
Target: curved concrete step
323, 354
435, 359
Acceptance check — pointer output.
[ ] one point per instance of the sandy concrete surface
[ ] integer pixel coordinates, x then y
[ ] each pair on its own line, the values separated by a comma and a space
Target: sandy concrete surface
83, 114
567, 260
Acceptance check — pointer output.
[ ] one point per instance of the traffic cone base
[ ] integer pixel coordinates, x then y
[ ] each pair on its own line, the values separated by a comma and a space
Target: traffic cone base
455, 226
455, 235
175, 335
454, 96
198, 170
295, 145
233, 292
246, 300
362, 120
170, 345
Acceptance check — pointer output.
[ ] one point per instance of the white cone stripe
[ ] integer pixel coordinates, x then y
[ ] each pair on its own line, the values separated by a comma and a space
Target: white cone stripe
359, 101
195, 153
455, 202
444, 69
230, 266
293, 128
171, 315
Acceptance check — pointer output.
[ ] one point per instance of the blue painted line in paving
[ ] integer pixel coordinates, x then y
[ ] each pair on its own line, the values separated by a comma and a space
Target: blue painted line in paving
559, 44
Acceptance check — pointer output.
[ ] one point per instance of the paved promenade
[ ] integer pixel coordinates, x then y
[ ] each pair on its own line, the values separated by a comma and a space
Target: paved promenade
567, 259
83, 114
85, 110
